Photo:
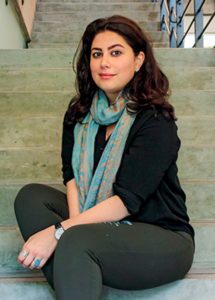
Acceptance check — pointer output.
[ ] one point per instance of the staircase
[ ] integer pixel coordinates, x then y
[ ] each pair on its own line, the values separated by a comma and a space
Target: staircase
61, 23
36, 85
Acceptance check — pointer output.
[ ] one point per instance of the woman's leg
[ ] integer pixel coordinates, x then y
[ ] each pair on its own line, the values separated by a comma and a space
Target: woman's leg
37, 207
128, 257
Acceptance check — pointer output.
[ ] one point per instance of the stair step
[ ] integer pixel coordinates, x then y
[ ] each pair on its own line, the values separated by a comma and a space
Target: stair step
197, 289
30, 164
96, 7
36, 45
34, 103
81, 25
200, 200
40, 163
92, 1
197, 131
31, 131
59, 58
62, 79
11, 243
196, 163
75, 36
193, 102
186, 103
201, 57
198, 193
25, 290
76, 16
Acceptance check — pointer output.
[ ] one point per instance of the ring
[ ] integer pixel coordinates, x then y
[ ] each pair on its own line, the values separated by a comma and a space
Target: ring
24, 253
37, 262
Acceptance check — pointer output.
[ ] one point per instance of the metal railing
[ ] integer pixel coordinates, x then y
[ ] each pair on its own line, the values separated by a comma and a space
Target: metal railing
173, 12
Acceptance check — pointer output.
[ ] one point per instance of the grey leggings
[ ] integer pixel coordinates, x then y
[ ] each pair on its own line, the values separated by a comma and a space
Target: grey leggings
122, 256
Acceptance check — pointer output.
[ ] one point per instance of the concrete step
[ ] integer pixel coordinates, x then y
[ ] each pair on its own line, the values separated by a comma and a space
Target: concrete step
196, 163
92, 1
37, 45
81, 25
76, 16
193, 102
96, 7
200, 200
62, 79
59, 58
11, 242
32, 131
185, 57
30, 165
44, 164
34, 103
186, 103
197, 131
192, 289
198, 193
25, 290
75, 36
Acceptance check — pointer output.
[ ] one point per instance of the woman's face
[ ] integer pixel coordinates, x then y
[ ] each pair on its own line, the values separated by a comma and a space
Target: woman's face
113, 63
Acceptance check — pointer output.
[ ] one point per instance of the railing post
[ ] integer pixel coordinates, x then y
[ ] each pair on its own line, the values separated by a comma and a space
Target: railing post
180, 22
198, 22
173, 24
163, 15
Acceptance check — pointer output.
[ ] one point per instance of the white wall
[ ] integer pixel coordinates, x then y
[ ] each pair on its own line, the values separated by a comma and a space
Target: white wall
11, 36
209, 35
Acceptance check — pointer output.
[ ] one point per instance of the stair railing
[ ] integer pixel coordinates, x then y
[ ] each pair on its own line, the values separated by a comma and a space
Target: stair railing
172, 13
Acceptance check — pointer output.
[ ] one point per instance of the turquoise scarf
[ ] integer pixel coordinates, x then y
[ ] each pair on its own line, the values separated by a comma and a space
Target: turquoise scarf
94, 189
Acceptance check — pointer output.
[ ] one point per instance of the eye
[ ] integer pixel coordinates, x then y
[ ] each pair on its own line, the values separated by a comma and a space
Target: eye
116, 53
96, 54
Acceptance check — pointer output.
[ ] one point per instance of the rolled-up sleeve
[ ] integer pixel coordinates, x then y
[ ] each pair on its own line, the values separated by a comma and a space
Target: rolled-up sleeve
145, 161
66, 152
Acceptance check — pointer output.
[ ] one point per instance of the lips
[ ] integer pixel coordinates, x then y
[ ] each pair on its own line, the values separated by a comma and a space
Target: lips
106, 75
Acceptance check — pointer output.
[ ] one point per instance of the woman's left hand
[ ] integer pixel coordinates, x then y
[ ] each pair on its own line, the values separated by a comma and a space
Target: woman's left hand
38, 248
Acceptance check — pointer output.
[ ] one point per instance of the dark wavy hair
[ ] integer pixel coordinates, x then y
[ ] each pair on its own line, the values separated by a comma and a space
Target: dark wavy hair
148, 88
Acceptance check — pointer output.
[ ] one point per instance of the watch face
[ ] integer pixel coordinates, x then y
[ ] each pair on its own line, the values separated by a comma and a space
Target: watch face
58, 233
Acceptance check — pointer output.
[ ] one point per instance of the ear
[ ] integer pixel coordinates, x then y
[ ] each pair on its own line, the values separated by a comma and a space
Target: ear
139, 60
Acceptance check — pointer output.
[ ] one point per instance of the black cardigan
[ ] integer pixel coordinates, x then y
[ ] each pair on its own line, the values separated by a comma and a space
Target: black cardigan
147, 180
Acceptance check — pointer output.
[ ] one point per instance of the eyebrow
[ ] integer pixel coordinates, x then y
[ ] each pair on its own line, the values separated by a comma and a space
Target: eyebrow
109, 48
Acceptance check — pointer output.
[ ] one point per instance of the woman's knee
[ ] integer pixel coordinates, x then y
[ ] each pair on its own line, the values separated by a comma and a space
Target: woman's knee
24, 195
34, 192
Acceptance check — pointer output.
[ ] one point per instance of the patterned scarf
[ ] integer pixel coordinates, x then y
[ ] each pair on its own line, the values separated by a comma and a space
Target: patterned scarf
95, 188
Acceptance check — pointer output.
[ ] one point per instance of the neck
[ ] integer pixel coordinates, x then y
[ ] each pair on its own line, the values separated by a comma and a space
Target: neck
112, 98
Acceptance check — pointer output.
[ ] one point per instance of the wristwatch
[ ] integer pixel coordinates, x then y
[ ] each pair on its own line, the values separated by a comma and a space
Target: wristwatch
59, 230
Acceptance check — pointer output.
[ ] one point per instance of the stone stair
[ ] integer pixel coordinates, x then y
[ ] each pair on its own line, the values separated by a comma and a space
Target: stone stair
35, 88
61, 23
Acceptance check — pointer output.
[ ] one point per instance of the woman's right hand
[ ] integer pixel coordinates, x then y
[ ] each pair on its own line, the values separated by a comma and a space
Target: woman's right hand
38, 249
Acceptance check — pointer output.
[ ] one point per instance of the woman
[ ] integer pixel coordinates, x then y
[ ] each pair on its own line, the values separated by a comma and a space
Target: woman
123, 220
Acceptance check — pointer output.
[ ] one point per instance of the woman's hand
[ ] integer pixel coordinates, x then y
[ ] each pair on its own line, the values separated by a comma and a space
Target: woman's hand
38, 248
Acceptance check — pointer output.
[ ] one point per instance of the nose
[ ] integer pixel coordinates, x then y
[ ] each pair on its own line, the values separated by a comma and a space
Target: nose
105, 61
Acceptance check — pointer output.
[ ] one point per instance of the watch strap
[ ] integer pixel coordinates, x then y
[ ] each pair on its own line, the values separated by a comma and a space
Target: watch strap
58, 225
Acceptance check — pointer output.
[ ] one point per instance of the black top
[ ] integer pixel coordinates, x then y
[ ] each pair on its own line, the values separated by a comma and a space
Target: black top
147, 180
